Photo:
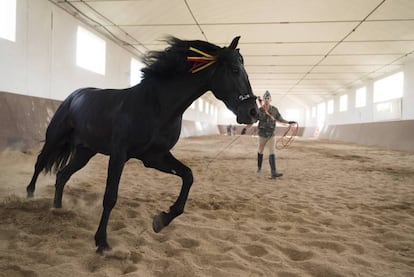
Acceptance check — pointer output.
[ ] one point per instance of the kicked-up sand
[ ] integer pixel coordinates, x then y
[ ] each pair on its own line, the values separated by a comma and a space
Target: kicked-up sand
339, 210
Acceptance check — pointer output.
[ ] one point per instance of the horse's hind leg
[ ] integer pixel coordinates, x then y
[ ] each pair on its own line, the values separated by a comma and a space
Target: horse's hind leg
39, 166
80, 158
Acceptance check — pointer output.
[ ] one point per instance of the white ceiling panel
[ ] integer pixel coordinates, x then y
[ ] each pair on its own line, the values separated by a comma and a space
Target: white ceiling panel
359, 60
143, 12
297, 32
384, 30
374, 47
303, 51
277, 69
356, 68
236, 11
395, 9
332, 76
275, 76
281, 60
287, 49
156, 34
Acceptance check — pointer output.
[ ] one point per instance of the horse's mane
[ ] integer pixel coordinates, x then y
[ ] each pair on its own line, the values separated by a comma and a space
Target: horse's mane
173, 60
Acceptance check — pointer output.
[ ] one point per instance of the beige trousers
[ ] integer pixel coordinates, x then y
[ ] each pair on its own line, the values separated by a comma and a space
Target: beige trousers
269, 143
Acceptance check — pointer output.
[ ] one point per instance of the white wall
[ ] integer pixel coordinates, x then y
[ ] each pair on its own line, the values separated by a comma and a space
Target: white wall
226, 117
408, 99
353, 114
210, 111
368, 113
42, 60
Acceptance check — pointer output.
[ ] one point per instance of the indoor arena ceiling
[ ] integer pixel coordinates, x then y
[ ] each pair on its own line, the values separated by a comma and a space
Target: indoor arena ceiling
302, 51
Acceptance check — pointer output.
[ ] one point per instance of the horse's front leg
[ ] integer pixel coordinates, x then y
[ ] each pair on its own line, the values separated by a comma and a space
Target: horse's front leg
116, 165
170, 164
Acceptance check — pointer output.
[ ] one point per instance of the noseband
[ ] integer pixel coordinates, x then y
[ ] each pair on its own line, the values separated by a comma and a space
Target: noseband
244, 97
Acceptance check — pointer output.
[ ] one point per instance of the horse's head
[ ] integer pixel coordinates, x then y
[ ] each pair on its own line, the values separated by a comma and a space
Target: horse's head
225, 74
231, 84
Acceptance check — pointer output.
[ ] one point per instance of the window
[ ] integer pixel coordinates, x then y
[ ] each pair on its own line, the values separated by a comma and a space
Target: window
212, 109
136, 74
293, 114
200, 105
207, 107
343, 103
8, 19
307, 113
90, 51
384, 107
330, 106
388, 110
390, 87
313, 112
321, 113
361, 97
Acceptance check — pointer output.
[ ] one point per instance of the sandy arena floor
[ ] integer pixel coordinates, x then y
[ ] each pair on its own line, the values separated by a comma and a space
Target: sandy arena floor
339, 210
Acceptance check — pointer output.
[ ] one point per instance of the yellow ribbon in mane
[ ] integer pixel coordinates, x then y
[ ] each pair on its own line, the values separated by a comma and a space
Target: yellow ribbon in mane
200, 63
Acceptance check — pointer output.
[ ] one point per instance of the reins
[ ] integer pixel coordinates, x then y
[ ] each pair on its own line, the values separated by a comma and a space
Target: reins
222, 150
288, 136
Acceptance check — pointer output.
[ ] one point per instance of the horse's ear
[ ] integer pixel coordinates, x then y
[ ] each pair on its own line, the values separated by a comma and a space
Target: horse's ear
234, 43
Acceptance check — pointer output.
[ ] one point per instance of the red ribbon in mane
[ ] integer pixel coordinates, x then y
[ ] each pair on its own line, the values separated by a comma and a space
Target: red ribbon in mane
199, 63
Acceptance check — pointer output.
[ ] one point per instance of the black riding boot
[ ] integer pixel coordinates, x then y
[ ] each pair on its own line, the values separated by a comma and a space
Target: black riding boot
259, 163
272, 162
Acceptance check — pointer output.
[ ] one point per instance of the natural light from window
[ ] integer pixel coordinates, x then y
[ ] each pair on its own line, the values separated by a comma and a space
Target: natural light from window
292, 114
361, 97
90, 51
136, 74
212, 108
330, 108
200, 105
384, 107
8, 19
321, 114
388, 88
343, 103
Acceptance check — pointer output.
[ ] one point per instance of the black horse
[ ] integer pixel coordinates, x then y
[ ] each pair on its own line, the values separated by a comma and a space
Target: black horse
144, 121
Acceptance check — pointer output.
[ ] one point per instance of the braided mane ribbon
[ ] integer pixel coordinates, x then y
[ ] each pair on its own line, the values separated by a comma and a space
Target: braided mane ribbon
200, 63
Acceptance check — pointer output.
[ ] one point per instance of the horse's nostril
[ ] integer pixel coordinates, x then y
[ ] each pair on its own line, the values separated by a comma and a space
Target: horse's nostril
253, 112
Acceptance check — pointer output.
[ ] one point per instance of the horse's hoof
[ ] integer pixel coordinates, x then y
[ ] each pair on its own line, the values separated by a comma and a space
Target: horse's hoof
30, 194
159, 222
57, 205
102, 248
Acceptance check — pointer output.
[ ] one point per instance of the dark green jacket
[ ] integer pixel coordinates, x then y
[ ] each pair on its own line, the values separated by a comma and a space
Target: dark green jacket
266, 124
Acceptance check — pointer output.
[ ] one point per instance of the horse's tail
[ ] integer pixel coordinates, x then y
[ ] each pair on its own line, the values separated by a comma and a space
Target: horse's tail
58, 147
